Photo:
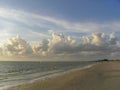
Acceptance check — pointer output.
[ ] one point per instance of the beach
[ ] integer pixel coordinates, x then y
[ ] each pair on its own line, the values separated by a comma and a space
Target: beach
102, 76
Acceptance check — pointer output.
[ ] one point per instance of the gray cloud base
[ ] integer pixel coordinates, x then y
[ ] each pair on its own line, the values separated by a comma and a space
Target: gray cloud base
96, 46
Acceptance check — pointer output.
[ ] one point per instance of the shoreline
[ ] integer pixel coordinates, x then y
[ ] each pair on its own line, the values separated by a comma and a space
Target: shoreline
54, 75
102, 76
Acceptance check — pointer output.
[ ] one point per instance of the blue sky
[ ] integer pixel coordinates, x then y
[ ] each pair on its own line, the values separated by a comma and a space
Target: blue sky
86, 16
76, 10
91, 13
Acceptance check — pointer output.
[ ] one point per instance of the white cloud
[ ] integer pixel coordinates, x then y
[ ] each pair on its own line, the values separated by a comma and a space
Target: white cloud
61, 44
99, 39
41, 48
113, 39
32, 20
95, 46
17, 46
34, 27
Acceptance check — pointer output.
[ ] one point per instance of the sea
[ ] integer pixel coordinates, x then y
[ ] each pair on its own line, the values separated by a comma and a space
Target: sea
17, 73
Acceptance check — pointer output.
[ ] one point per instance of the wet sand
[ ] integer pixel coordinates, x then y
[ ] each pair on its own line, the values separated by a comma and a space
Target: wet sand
103, 76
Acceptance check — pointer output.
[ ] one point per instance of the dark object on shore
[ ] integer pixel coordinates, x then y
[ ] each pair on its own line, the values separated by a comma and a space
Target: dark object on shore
104, 60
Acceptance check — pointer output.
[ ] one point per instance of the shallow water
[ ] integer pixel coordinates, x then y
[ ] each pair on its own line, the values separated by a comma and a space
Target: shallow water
16, 73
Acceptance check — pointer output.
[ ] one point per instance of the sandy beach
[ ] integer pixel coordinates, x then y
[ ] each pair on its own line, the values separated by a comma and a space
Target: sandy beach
102, 76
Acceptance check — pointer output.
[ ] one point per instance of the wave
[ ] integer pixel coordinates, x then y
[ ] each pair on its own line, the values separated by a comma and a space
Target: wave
33, 76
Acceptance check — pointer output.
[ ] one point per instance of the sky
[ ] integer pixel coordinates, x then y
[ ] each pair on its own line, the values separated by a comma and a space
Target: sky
59, 29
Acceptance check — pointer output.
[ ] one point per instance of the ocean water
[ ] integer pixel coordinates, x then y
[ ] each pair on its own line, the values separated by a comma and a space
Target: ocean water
16, 73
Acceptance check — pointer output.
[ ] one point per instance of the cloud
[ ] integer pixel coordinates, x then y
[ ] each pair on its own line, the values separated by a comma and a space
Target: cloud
58, 44
31, 20
98, 39
113, 39
17, 46
61, 44
36, 27
94, 46
41, 49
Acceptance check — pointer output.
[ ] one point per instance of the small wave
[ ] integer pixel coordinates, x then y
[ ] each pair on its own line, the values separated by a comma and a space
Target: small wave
14, 79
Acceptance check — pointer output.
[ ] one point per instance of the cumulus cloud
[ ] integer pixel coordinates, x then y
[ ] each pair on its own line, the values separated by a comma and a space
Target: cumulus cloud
41, 49
61, 44
17, 46
58, 44
97, 45
37, 26
94, 46
113, 39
